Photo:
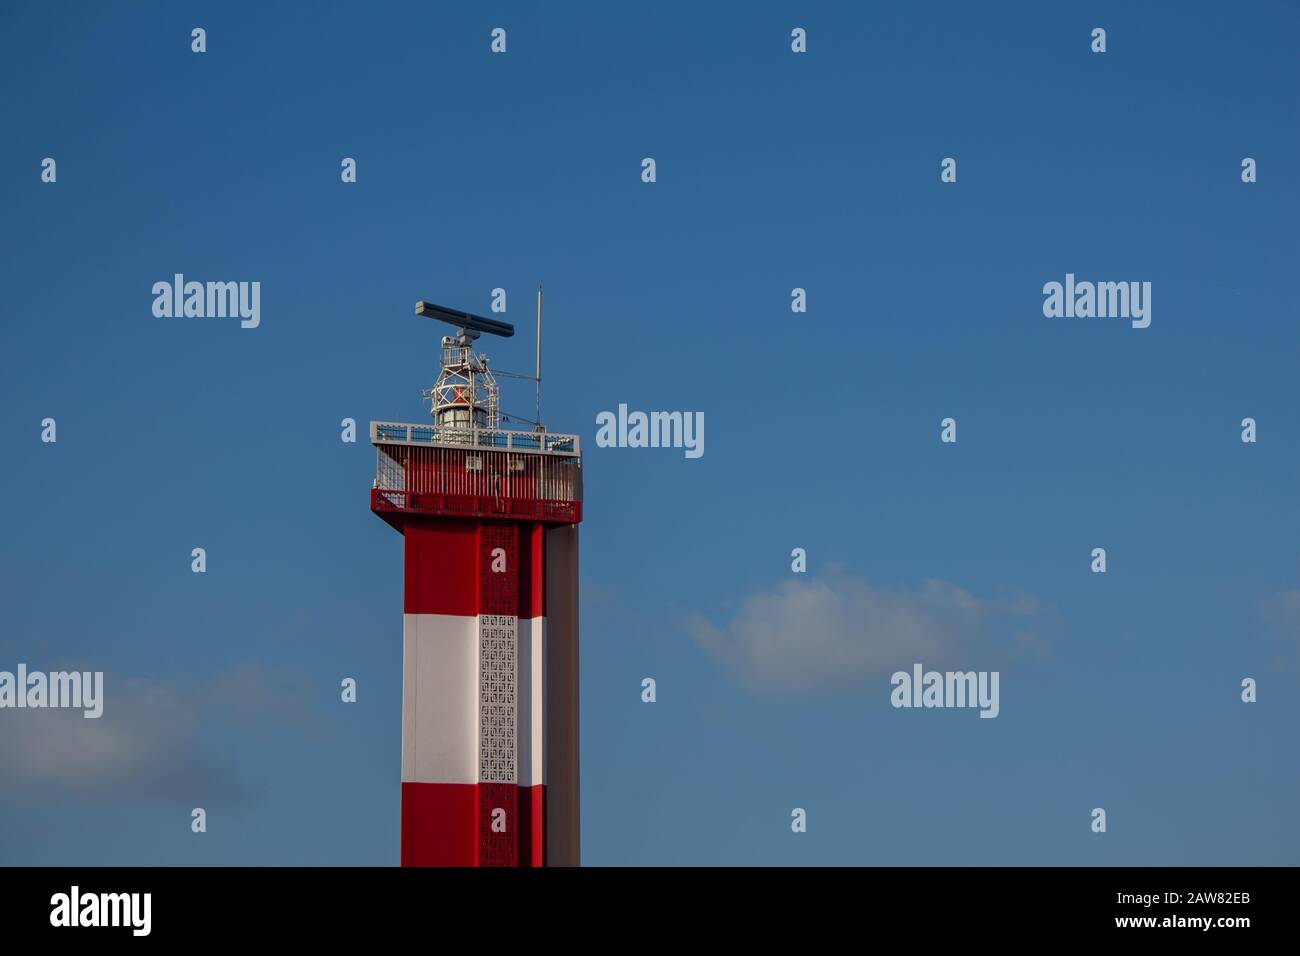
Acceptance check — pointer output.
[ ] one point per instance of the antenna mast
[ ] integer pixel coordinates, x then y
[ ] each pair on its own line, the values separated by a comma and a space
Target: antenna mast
465, 399
538, 376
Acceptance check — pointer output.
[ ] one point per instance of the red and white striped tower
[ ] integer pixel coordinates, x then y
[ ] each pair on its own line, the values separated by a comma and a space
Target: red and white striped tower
489, 520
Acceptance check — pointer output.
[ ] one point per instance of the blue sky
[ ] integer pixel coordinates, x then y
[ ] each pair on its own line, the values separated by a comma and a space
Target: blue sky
774, 170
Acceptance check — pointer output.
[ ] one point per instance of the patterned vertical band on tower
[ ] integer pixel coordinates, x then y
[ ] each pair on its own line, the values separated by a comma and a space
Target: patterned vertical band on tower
489, 687
498, 683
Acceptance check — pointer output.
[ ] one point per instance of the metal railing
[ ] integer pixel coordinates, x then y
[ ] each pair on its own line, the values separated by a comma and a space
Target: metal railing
403, 433
445, 478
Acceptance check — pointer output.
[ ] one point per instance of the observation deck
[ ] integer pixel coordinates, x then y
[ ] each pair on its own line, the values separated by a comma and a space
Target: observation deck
430, 469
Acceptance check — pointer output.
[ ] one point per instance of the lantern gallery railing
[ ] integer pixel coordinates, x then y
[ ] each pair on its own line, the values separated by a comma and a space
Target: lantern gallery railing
401, 433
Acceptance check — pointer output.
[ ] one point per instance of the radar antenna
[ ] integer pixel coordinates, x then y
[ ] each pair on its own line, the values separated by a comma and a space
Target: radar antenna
465, 398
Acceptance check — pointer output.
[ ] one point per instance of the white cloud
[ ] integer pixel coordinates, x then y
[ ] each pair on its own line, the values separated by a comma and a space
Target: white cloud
148, 745
813, 633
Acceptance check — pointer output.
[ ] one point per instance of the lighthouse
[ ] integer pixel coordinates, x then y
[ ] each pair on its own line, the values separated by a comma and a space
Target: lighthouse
489, 521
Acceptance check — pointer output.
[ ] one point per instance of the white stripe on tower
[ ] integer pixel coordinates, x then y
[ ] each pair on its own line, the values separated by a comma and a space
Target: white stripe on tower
532, 701
440, 682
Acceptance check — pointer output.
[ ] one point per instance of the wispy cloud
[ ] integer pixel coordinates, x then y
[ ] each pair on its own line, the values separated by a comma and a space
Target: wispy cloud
815, 633
152, 742
1282, 611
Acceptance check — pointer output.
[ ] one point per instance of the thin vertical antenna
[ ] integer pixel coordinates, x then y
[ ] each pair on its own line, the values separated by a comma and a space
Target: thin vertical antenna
539, 356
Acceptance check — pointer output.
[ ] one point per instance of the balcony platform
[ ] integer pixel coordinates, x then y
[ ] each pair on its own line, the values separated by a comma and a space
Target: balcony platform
395, 507
506, 475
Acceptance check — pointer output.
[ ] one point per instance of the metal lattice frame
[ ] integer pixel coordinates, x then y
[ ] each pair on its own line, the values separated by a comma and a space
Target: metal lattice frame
465, 396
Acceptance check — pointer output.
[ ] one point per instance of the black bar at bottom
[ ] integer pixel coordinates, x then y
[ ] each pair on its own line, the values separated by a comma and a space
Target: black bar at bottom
634, 908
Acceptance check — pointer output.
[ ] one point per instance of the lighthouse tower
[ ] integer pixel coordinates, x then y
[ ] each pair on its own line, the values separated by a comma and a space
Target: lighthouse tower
489, 520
